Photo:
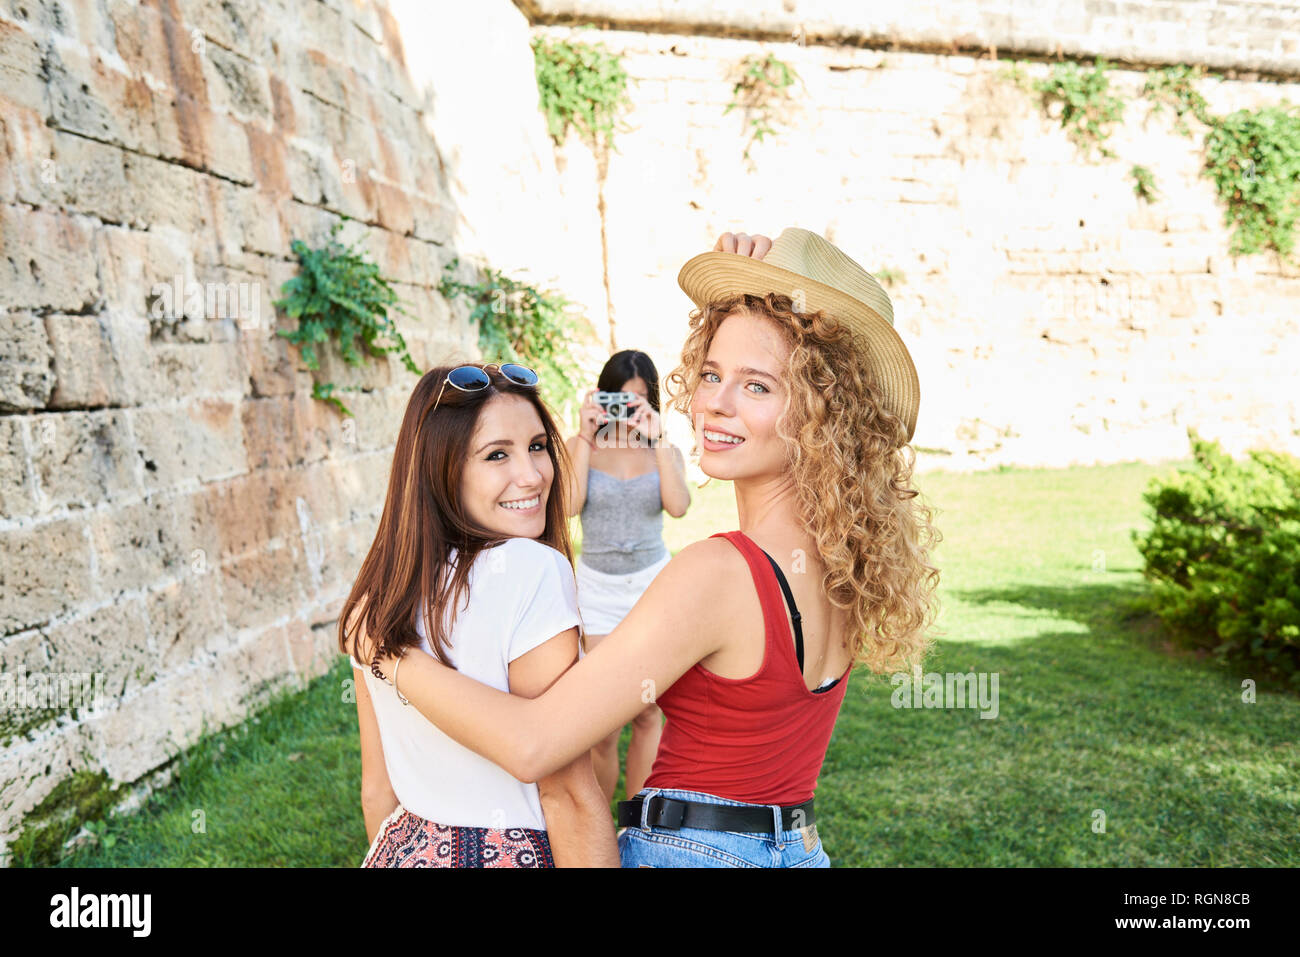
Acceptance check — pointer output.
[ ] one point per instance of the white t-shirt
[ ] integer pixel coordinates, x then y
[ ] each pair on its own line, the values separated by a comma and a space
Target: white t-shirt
521, 594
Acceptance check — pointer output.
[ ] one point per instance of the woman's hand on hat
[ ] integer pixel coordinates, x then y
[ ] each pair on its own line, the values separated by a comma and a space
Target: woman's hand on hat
743, 244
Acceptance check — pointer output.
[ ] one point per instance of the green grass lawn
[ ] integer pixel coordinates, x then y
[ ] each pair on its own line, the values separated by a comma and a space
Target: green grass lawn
1098, 720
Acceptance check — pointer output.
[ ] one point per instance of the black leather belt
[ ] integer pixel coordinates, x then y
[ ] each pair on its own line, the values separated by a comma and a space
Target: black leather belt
675, 813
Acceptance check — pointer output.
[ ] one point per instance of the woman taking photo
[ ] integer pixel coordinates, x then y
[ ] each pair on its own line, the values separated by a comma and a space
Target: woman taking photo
626, 474
803, 395
473, 538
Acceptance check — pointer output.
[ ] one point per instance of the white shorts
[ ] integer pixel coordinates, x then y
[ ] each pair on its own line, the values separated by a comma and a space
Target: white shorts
604, 600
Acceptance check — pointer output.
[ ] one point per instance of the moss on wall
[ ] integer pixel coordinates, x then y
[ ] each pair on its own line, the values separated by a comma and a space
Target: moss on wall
83, 796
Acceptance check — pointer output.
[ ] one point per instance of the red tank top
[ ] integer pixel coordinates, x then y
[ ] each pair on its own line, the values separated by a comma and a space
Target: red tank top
761, 739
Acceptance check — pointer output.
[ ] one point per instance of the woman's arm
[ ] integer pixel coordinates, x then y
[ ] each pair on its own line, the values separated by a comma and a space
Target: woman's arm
673, 493
681, 618
377, 797
580, 456
590, 418
578, 823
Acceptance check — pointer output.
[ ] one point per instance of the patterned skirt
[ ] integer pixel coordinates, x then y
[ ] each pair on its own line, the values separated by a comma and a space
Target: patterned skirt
406, 840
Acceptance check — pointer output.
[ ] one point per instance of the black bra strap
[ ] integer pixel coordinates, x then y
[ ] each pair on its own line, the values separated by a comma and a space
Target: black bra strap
794, 609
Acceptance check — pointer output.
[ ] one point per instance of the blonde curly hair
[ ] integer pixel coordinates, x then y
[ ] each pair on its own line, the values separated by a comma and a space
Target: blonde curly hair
852, 471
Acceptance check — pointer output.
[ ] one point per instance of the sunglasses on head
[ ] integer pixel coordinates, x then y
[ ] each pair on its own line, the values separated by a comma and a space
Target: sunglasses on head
474, 379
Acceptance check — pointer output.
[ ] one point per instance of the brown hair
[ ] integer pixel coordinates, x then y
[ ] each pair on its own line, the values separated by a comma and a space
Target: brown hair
424, 518
851, 475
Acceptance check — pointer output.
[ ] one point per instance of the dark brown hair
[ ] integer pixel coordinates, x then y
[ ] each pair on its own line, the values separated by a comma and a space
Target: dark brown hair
627, 365
424, 518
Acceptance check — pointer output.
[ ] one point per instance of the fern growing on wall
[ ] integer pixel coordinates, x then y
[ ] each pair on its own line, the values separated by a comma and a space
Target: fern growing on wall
339, 294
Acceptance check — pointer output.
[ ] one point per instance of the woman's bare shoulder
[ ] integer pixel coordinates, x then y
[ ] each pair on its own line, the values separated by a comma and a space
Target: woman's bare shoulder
714, 563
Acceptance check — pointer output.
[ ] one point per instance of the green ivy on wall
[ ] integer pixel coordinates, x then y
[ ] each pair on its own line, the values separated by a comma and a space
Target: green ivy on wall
762, 90
339, 294
1144, 183
519, 323
1252, 156
1089, 109
1175, 87
579, 85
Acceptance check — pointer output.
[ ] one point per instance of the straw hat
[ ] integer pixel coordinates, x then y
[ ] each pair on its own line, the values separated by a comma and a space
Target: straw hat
819, 277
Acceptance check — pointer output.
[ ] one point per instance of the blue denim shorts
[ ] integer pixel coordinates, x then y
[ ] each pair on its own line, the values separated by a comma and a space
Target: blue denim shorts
646, 846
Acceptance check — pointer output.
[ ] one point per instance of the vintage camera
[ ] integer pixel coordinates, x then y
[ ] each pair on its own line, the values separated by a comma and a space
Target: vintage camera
617, 404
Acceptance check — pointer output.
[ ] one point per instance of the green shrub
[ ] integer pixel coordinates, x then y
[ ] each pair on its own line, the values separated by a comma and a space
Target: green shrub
1223, 556
340, 294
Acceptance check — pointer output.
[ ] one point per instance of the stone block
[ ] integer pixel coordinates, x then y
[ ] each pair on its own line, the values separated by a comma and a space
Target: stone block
236, 85
175, 706
89, 94
248, 514
272, 435
89, 178
135, 546
140, 268
198, 441
26, 379
89, 458
46, 260
36, 588
200, 369
22, 71
260, 587
99, 360
185, 619
17, 493
113, 641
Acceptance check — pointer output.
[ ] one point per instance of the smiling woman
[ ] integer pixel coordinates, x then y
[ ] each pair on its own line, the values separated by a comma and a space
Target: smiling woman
471, 564
512, 471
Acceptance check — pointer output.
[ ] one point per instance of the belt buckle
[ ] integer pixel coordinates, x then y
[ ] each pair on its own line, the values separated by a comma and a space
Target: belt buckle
668, 812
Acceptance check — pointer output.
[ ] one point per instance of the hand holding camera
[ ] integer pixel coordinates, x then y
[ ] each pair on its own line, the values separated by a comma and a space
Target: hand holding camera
602, 409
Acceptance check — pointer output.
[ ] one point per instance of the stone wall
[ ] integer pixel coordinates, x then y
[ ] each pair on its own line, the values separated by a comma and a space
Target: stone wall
1055, 318
1258, 37
177, 513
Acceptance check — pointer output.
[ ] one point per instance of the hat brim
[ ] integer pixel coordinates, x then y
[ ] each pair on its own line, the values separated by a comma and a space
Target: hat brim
714, 275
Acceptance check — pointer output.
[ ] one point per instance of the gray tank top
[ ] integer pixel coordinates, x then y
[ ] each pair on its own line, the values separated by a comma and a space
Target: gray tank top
622, 523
